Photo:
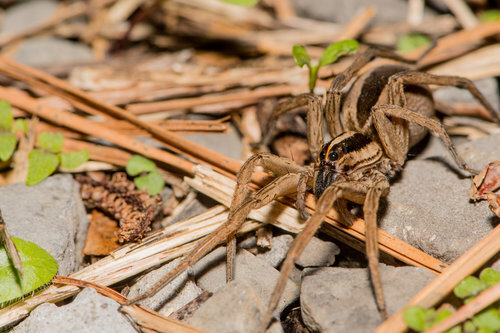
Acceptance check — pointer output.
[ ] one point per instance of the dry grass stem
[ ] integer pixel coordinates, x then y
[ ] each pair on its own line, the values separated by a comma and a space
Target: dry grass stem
462, 12
64, 12
80, 124
357, 24
141, 315
166, 245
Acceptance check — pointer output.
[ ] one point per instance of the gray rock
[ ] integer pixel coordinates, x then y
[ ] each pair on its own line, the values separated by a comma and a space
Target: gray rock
318, 253
279, 248
488, 87
48, 51
170, 298
429, 206
210, 274
236, 307
27, 14
343, 11
89, 312
50, 214
341, 299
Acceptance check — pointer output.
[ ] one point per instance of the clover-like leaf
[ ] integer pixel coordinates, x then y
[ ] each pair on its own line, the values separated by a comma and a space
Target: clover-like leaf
19, 125
417, 317
7, 145
39, 268
470, 286
138, 164
410, 42
40, 166
73, 160
51, 142
6, 118
491, 15
490, 276
300, 56
243, 3
153, 182
335, 50
488, 318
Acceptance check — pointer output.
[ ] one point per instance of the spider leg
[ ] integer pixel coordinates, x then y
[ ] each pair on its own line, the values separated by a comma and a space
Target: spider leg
379, 188
241, 206
381, 111
314, 120
350, 190
397, 81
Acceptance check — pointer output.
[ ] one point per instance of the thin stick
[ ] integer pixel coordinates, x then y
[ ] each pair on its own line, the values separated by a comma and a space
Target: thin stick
185, 103
172, 242
454, 40
357, 24
181, 144
80, 124
441, 286
141, 315
63, 13
462, 12
10, 247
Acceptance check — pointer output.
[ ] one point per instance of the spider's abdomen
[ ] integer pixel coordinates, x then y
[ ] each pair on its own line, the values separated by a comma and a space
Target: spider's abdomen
344, 155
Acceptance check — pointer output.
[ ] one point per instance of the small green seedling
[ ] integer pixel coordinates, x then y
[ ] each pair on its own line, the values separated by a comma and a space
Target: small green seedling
8, 128
329, 56
412, 41
488, 320
43, 162
491, 15
145, 173
39, 268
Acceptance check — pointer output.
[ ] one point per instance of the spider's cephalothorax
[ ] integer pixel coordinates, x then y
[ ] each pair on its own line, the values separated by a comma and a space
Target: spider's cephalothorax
345, 156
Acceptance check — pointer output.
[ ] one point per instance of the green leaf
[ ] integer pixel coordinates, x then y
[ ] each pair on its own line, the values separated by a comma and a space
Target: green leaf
19, 125
5, 115
417, 317
484, 330
410, 42
153, 182
40, 166
491, 15
138, 164
73, 160
489, 318
51, 142
470, 286
490, 276
7, 145
454, 329
243, 3
469, 326
38, 265
300, 56
335, 50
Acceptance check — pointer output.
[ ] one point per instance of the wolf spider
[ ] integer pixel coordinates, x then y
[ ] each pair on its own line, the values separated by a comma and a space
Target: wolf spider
387, 110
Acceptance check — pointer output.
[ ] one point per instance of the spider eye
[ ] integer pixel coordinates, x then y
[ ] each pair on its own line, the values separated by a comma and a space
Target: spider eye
333, 156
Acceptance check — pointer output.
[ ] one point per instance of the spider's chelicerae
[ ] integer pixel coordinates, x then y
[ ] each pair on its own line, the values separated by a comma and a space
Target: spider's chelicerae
386, 111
